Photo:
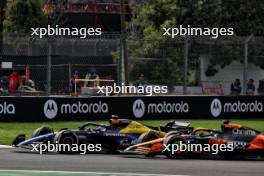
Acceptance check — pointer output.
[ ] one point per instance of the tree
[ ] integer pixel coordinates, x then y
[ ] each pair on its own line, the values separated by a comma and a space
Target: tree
55, 10
149, 42
246, 17
22, 15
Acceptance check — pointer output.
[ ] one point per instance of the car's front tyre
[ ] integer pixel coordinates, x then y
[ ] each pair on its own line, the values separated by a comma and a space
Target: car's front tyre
173, 142
65, 139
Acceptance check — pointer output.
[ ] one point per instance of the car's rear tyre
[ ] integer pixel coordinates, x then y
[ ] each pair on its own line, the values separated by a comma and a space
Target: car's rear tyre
68, 138
41, 131
172, 133
171, 141
148, 136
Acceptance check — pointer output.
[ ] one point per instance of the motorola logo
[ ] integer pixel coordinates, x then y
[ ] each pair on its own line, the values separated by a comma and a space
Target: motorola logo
50, 109
216, 107
138, 108
7, 108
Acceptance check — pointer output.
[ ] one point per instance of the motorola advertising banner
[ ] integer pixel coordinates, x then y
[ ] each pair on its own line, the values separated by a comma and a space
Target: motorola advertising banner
202, 107
48, 108
155, 107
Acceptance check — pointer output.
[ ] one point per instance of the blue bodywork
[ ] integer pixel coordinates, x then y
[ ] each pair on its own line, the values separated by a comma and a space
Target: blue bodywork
106, 136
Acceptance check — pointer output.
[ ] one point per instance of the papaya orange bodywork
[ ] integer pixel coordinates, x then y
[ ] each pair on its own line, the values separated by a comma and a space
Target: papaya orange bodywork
159, 140
232, 125
257, 143
217, 141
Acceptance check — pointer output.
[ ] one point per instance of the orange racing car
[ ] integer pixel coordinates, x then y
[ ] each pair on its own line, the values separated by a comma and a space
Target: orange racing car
232, 141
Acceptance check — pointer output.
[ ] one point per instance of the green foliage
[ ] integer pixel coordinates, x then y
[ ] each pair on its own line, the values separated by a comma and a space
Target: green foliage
149, 42
22, 15
246, 17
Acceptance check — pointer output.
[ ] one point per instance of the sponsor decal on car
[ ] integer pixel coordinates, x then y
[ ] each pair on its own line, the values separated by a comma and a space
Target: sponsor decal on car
243, 131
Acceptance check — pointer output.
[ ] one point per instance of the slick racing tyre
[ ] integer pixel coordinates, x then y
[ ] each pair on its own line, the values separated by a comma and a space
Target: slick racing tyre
148, 136
41, 131
174, 141
67, 138
172, 133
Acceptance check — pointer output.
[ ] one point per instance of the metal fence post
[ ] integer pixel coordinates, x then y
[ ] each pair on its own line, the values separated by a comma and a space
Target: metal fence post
186, 53
245, 69
121, 72
69, 72
70, 87
48, 90
118, 61
123, 44
1, 46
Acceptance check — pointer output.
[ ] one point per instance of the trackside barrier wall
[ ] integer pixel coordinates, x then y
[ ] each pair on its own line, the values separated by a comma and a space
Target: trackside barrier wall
156, 107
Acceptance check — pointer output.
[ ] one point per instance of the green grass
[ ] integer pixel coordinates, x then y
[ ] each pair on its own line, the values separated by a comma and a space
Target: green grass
9, 130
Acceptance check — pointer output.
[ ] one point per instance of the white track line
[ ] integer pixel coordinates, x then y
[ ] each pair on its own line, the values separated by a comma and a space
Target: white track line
94, 173
5, 146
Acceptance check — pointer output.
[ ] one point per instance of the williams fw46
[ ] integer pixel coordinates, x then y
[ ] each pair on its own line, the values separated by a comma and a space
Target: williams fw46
233, 141
118, 135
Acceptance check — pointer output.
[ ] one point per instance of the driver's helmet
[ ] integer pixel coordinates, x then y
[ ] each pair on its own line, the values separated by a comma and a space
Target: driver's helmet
224, 123
114, 121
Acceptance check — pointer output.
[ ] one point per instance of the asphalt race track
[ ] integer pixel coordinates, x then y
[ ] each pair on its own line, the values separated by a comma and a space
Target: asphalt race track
17, 159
